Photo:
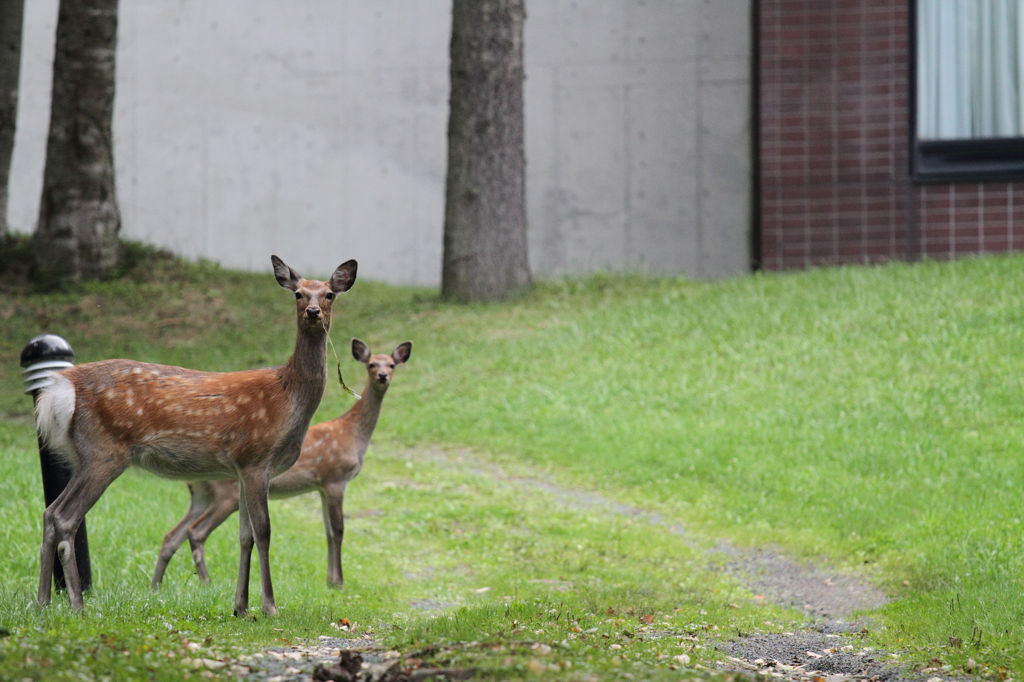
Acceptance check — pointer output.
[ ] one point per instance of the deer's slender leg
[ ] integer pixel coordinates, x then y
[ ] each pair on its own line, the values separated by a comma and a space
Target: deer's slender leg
254, 501
214, 515
332, 499
198, 504
245, 542
48, 549
62, 519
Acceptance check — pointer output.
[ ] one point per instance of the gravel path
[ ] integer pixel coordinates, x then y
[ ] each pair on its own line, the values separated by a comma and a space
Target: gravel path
827, 649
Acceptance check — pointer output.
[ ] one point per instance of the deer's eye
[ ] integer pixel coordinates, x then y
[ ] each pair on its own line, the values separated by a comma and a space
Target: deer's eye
298, 294
391, 365
329, 296
373, 365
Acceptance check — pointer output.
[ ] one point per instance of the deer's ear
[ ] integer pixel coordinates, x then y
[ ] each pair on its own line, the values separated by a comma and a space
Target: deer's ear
344, 277
402, 352
360, 351
286, 277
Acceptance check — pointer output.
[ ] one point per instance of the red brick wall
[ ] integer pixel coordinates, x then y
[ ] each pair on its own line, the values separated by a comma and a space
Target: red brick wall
834, 142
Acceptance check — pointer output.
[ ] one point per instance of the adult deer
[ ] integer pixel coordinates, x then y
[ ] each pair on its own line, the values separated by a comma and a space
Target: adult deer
181, 423
332, 455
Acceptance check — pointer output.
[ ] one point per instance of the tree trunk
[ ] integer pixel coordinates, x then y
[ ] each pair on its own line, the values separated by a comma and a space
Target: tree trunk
11, 14
485, 256
78, 216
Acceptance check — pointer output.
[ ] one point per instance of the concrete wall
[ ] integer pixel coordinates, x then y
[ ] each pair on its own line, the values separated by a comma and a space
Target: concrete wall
316, 130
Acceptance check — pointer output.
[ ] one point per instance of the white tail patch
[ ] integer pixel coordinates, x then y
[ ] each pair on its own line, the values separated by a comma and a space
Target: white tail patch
54, 409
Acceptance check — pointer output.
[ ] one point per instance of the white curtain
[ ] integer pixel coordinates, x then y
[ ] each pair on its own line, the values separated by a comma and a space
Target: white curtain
970, 69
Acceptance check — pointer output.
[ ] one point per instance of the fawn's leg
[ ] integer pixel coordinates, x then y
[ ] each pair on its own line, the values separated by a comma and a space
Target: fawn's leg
176, 536
216, 514
332, 499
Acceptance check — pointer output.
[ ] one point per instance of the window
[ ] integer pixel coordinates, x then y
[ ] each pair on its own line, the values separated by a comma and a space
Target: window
969, 77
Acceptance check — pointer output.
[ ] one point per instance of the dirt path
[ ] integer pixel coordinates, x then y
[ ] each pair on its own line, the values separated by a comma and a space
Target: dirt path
828, 648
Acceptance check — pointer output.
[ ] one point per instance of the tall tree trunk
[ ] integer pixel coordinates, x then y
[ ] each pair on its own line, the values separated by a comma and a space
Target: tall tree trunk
11, 14
79, 221
485, 255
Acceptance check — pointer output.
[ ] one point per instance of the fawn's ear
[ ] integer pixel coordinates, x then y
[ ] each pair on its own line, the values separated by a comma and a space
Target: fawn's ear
360, 351
344, 277
286, 277
402, 352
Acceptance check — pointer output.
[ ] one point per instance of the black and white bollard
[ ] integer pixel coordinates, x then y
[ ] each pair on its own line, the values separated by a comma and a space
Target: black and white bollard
44, 355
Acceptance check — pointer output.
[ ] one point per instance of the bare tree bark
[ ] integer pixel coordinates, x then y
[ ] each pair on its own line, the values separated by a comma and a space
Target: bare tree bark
79, 221
11, 16
485, 252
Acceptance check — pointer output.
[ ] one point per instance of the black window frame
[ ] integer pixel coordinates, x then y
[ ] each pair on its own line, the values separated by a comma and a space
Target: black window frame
962, 160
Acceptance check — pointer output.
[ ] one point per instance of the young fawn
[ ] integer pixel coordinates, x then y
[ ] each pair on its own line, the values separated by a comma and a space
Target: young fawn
332, 455
181, 423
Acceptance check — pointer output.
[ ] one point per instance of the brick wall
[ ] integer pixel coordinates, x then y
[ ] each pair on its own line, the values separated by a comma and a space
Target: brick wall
834, 144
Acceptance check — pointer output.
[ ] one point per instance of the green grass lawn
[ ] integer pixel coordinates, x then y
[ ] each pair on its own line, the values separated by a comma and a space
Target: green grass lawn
869, 415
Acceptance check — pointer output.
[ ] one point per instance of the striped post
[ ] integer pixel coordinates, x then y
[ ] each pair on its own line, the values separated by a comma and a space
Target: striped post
41, 357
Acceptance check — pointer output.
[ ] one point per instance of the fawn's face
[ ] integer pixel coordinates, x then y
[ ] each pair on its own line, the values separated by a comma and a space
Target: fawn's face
313, 298
380, 367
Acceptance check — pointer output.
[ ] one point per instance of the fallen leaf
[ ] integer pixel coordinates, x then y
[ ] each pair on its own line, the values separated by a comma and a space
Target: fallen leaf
342, 624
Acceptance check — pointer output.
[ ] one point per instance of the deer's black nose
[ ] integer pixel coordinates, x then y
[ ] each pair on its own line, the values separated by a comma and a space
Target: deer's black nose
313, 313
383, 377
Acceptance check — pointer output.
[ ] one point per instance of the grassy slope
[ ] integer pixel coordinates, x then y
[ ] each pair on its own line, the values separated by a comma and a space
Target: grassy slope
868, 414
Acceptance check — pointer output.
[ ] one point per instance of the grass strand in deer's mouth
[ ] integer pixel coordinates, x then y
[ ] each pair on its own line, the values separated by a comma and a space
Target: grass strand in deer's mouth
341, 379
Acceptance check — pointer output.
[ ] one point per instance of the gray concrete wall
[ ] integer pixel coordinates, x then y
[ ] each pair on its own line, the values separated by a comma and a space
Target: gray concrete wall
316, 130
